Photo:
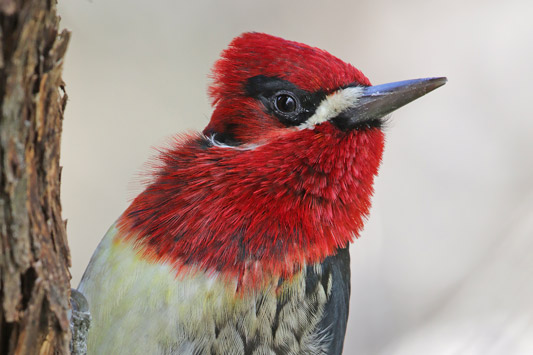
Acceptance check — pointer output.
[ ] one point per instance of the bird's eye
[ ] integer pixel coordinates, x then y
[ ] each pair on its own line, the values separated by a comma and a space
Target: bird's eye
286, 103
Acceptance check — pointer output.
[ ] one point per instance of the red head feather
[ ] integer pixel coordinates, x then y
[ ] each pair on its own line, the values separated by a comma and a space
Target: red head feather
270, 209
252, 54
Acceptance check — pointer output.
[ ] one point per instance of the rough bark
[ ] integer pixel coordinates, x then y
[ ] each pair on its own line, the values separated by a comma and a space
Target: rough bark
34, 255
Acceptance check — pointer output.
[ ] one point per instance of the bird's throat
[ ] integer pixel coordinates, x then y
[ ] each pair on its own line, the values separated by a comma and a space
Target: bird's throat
251, 213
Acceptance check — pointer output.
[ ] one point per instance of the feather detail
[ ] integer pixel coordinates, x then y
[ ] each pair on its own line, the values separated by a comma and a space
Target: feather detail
258, 212
142, 307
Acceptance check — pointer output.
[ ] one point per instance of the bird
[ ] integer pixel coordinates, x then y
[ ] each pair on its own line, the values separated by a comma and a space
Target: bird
238, 243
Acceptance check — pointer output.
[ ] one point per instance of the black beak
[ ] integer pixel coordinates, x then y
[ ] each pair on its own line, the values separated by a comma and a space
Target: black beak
380, 100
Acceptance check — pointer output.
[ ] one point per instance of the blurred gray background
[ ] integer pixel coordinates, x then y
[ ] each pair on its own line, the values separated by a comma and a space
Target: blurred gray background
445, 263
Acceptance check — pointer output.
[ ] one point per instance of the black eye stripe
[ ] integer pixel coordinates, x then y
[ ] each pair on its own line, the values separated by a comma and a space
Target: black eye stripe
267, 89
264, 85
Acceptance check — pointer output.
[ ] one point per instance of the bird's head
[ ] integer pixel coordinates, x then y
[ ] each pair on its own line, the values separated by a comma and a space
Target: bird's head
282, 175
265, 87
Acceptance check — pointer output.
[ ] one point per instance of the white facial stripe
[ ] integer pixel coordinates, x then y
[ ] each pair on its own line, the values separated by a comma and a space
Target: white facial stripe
333, 105
218, 144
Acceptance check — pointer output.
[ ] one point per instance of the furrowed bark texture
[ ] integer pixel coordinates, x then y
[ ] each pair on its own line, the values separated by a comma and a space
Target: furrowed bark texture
34, 255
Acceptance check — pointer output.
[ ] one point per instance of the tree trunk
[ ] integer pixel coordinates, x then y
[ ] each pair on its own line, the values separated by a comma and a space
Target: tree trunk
34, 255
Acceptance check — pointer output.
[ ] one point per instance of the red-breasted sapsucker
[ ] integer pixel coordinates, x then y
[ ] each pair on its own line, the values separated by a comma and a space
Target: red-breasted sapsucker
239, 244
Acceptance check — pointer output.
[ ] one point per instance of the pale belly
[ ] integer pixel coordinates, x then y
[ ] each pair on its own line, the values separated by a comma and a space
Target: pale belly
139, 307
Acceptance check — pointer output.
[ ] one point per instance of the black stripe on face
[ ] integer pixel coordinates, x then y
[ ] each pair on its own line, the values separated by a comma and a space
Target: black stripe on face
274, 92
